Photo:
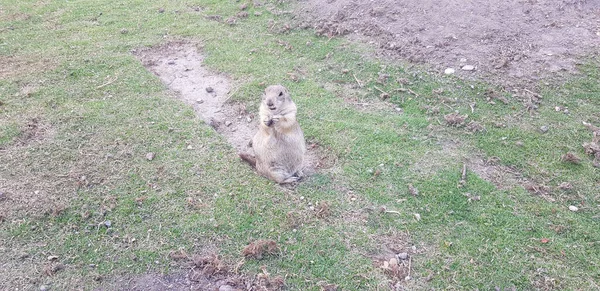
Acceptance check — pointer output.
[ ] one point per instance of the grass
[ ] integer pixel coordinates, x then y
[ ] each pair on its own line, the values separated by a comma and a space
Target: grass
87, 160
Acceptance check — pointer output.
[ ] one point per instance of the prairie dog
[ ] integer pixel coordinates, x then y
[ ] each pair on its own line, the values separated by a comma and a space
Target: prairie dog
279, 145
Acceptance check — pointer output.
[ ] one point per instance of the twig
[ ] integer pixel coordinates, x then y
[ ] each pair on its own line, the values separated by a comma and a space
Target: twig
107, 83
463, 180
376, 88
472, 105
409, 265
231, 95
409, 91
357, 81
392, 211
533, 93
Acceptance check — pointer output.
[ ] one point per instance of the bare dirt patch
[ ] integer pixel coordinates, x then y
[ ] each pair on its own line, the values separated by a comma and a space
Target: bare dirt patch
18, 66
179, 66
511, 42
206, 272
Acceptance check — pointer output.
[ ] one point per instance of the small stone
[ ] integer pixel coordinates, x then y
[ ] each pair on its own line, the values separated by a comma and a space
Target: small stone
463, 60
468, 68
149, 156
36, 192
544, 129
417, 216
449, 71
249, 119
199, 101
573, 208
566, 111
402, 256
398, 109
170, 62
226, 288
407, 278
301, 197
107, 223
124, 31
227, 123
190, 147
44, 288
52, 258
161, 10
393, 262
209, 89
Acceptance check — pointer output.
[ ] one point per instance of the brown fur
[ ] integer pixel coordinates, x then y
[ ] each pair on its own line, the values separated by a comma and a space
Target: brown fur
279, 144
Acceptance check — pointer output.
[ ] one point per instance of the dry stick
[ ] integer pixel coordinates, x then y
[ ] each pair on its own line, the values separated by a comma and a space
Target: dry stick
107, 83
409, 91
231, 95
533, 93
463, 180
409, 265
392, 211
376, 88
357, 81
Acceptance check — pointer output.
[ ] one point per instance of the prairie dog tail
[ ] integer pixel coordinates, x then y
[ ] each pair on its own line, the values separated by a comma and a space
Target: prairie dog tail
250, 159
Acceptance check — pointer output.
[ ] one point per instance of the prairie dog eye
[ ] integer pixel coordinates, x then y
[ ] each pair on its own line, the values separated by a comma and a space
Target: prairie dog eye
280, 94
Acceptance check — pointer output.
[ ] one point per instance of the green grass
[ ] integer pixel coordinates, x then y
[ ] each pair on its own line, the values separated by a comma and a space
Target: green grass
92, 160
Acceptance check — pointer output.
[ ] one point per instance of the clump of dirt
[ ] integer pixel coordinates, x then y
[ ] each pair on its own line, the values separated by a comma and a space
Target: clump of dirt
593, 148
260, 248
204, 272
395, 258
513, 43
455, 119
179, 66
571, 158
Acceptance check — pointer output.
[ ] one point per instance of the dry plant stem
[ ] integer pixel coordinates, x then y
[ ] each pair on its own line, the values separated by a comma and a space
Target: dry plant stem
357, 81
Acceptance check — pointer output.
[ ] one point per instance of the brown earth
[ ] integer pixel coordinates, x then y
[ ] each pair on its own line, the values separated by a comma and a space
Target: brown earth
510, 43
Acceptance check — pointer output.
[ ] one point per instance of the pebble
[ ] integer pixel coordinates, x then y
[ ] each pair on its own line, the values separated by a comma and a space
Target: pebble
449, 71
227, 123
52, 258
210, 89
226, 288
150, 156
190, 147
468, 68
573, 208
418, 216
107, 223
544, 129
402, 256
44, 288
171, 62
199, 101
2, 196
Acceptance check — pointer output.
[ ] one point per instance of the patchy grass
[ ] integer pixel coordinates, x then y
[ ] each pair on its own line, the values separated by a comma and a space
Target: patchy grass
86, 193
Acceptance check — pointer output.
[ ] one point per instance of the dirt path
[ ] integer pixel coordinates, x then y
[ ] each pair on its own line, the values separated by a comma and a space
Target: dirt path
511, 43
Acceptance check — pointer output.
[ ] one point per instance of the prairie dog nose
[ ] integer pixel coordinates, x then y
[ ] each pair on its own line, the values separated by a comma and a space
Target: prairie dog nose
269, 103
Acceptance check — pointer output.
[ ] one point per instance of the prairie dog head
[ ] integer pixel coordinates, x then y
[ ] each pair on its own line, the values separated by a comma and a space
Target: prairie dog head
276, 98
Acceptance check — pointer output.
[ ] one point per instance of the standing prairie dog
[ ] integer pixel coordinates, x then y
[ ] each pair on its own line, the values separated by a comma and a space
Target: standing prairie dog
279, 145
